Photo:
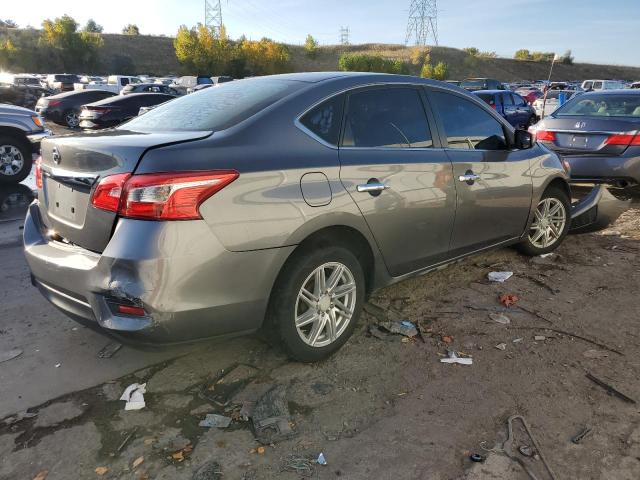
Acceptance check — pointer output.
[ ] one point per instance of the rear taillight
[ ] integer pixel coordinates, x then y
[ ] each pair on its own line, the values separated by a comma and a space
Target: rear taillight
625, 139
545, 136
160, 196
108, 192
38, 172
53, 103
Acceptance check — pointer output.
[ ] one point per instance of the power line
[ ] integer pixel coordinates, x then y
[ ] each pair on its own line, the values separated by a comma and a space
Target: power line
213, 15
423, 22
344, 35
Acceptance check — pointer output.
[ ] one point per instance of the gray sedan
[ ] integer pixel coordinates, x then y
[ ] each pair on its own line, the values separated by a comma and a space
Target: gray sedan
598, 134
282, 202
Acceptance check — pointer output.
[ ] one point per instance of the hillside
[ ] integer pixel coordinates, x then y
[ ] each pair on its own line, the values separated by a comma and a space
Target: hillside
155, 55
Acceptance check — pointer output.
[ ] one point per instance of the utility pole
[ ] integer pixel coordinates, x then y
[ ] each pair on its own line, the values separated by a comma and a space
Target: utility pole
213, 15
422, 22
344, 35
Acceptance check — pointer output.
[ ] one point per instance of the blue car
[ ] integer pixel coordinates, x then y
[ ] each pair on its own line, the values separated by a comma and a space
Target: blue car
510, 105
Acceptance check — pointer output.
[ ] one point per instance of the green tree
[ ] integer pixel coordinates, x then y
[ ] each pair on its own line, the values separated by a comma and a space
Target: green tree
92, 27
427, 71
8, 54
371, 63
441, 71
311, 46
542, 56
522, 54
131, 29
473, 51
420, 55
488, 55
72, 49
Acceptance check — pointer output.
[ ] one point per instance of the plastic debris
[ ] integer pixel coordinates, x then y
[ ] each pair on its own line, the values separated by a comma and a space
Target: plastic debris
508, 299
546, 255
526, 450
41, 475
137, 462
501, 346
595, 354
517, 340
100, 471
499, 277
10, 355
582, 434
214, 420
134, 396
58, 365
500, 318
454, 358
476, 457
405, 327
321, 460
539, 338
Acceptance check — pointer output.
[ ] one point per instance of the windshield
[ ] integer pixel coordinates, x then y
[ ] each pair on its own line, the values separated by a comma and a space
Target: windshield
215, 108
602, 105
473, 83
66, 78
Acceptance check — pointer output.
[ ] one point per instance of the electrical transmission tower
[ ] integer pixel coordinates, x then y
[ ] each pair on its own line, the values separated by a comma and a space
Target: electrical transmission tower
344, 35
213, 15
423, 22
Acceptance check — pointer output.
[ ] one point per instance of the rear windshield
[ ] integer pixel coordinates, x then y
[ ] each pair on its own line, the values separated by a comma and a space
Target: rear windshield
215, 108
473, 83
487, 97
602, 106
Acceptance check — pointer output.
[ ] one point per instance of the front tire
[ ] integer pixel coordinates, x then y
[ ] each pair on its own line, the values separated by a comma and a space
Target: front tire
71, 119
316, 301
15, 159
550, 224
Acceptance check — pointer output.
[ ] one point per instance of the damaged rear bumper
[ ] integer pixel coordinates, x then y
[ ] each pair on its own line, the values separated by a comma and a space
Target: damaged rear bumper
596, 210
188, 284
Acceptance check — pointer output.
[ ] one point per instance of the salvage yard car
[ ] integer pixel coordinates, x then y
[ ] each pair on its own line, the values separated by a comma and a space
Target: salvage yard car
510, 105
64, 108
282, 202
598, 134
118, 109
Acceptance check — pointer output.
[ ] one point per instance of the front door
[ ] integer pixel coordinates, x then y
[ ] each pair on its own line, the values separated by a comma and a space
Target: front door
493, 183
401, 181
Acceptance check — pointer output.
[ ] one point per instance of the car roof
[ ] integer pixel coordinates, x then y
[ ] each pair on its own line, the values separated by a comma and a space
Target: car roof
79, 92
128, 98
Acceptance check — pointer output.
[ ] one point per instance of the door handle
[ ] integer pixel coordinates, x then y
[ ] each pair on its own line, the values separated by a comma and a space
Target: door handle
372, 187
469, 177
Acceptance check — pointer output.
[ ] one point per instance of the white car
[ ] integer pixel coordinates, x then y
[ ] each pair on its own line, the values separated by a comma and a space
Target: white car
588, 85
552, 102
114, 84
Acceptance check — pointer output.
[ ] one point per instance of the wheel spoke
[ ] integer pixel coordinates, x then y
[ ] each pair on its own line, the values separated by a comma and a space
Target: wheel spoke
317, 329
332, 325
538, 235
344, 289
342, 309
308, 297
320, 285
334, 278
306, 318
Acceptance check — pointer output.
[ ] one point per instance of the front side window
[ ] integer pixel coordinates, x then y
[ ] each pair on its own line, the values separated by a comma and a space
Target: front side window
507, 100
597, 85
519, 101
324, 120
386, 117
468, 126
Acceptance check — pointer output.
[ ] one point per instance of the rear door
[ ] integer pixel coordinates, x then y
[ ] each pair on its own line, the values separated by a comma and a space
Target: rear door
493, 185
510, 111
399, 178
523, 111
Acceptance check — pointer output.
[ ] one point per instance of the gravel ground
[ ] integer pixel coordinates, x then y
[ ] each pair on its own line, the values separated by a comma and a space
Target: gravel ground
385, 407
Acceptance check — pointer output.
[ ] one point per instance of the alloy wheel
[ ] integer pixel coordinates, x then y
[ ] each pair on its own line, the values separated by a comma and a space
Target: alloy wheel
325, 304
11, 160
548, 224
72, 119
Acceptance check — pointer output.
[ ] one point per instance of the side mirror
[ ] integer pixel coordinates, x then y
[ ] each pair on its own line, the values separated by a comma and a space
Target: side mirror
523, 140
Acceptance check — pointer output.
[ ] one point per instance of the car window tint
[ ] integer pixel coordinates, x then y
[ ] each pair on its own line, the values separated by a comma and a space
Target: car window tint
468, 126
519, 101
488, 98
507, 100
216, 108
390, 117
324, 120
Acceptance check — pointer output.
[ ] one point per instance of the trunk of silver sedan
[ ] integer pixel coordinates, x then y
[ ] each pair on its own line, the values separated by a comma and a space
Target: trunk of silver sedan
71, 167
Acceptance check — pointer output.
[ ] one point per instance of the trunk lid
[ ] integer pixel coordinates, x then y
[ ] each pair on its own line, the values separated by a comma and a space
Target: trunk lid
587, 135
72, 165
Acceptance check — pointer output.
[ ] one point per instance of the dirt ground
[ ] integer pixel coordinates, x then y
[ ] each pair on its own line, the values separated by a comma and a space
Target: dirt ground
385, 407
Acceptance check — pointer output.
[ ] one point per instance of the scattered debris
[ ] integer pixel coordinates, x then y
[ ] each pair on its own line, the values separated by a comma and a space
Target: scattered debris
507, 447
476, 457
454, 358
517, 340
321, 460
10, 354
448, 339
539, 338
501, 346
546, 255
100, 471
137, 462
582, 434
126, 440
404, 327
109, 350
261, 450
270, 417
303, 466
499, 277
595, 354
215, 420
41, 475
134, 396
508, 299
574, 335
57, 365
211, 470
526, 450
182, 454
376, 332
500, 318
610, 390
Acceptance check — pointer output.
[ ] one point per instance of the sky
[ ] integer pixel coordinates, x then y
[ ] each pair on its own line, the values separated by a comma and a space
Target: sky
597, 31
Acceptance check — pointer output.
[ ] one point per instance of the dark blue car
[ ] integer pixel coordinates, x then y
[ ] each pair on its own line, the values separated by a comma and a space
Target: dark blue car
510, 105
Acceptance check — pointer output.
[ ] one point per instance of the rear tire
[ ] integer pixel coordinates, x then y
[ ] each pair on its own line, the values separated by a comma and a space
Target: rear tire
550, 225
313, 315
15, 159
71, 119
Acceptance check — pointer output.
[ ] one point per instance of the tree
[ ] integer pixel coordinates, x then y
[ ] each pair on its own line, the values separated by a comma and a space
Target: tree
311, 46
92, 27
131, 29
542, 56
567, 58
522, 54
8, 23
488, 55
8, 54
441, 71
427, 71
72, 49
350, 62
473, 51
420, 55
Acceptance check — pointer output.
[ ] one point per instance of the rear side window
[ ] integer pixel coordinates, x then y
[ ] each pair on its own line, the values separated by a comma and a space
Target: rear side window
216, 108
507, 100
389, 117
324, 120
519, 101
468, 126
487, 98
